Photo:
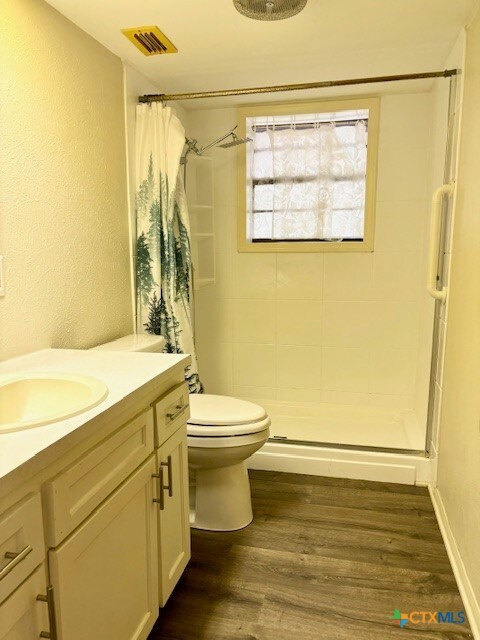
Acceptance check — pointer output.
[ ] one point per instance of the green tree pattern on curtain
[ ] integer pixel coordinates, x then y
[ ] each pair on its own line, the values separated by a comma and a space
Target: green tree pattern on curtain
164, 259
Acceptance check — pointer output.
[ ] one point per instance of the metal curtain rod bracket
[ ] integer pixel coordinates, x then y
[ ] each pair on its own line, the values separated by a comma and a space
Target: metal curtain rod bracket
165, 97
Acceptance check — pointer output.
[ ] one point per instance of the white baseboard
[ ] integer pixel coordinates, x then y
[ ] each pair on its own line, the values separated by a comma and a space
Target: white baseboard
472, 605
342, 463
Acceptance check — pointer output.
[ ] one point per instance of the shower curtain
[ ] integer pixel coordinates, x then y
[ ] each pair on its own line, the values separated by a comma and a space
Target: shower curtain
163, 260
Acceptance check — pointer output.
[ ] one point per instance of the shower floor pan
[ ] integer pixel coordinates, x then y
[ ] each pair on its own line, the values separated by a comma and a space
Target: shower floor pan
370, 443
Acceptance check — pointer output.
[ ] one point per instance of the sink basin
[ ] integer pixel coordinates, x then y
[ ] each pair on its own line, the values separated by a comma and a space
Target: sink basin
36, 399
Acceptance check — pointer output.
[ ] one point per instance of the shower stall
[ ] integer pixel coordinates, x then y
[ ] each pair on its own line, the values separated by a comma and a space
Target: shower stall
344, 350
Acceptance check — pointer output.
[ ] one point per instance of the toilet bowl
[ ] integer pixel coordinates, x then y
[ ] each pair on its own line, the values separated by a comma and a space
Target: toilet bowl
222, 433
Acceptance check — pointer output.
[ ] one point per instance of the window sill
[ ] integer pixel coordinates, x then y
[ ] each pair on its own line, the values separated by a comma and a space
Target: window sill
346, 246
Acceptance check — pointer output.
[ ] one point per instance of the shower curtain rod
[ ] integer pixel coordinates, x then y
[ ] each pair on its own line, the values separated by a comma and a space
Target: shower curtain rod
165, 97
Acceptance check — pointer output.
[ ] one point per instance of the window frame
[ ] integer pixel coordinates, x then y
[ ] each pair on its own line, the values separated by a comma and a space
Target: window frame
293, 108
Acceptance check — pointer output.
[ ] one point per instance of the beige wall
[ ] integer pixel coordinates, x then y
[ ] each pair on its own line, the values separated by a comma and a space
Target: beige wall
63, 205
339, 328
459, 447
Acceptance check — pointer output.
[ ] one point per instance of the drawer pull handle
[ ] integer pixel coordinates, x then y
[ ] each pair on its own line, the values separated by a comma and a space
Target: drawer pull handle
15, 558
52, 623
180, 408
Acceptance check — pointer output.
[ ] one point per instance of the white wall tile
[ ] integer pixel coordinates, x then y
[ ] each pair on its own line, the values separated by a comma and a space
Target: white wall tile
254, 275
254, 321
346, 398
392, 371
402, 173
399, 225
213, 318
299, 322
397, 276
395, 324
348, 276
347, 324
345, 369
254, 365
299, 276
404, 121
215, 366
254, 393
298, 367
392, 401
223, 286
299, 395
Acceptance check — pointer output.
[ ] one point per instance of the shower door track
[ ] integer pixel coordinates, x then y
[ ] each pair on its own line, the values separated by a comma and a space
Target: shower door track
349, 447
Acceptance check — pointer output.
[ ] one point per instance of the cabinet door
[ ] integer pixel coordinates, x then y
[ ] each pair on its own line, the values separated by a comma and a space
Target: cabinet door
173, 516
104, 575
22, 616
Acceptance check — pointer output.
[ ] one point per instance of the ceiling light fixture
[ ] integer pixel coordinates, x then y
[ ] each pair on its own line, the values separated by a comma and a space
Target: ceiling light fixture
269, 9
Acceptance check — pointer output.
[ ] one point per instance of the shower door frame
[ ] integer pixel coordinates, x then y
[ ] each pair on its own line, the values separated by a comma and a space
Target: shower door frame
447, 210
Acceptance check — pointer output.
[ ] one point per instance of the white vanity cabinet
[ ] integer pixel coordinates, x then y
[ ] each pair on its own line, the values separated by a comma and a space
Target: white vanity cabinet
22, 572
171, 413
104, 575
94, 528
23, 616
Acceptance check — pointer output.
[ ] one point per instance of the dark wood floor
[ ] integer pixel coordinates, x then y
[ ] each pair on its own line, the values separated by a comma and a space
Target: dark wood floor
323, 558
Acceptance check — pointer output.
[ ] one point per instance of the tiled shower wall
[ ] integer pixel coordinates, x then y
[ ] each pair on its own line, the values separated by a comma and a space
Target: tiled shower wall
340, 328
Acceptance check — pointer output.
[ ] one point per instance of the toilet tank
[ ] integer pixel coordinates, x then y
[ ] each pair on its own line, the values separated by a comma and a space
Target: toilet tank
135, 342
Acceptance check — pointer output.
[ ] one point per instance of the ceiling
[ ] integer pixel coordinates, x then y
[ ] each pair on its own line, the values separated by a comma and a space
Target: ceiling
330, 39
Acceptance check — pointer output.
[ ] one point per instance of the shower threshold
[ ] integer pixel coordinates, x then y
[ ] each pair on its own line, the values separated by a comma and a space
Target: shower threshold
361, 442
348, 447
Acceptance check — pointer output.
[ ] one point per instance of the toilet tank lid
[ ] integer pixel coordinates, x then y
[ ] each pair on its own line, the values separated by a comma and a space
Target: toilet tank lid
135, 342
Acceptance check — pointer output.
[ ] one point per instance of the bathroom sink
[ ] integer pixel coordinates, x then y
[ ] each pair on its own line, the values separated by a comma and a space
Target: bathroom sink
36, 399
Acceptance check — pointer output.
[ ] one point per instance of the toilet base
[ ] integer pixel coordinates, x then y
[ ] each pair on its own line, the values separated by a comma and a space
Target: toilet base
221, 499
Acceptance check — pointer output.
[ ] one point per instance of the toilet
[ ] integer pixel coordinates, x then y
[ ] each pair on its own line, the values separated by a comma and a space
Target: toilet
222, 433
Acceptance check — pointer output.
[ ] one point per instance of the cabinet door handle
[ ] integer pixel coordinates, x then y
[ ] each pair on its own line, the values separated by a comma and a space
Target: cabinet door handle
180, 408
52, 623
15, 558
168, 464
161, 498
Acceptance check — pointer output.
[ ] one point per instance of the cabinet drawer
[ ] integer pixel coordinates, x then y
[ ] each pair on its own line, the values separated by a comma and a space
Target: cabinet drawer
22, 616
76, 492
171, 411
22, 546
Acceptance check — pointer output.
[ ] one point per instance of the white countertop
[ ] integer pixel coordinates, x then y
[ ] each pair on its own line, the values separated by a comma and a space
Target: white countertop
123, 373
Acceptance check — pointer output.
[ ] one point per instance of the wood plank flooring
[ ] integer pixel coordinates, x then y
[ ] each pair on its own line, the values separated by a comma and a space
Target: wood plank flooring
323, 559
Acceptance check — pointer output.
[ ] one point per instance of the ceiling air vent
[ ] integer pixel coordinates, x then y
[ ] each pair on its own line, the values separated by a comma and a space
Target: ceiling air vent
150, 40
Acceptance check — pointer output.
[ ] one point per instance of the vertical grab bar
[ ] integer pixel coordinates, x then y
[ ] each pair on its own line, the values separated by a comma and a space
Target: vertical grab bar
434, 245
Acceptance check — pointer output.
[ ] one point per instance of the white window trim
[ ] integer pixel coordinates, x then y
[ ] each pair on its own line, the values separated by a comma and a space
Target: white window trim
320, 106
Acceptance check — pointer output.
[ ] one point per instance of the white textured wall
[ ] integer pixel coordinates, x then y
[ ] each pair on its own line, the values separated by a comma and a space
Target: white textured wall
337, 328
63, 204
459, 448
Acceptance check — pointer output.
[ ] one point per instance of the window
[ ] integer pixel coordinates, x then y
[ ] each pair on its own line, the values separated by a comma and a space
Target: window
307, 179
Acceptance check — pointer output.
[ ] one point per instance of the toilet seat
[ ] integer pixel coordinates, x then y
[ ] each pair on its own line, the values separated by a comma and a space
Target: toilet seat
232, 430
220, 416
